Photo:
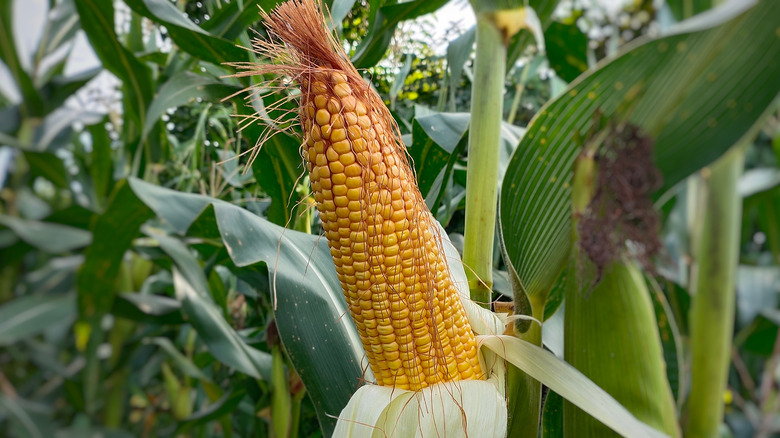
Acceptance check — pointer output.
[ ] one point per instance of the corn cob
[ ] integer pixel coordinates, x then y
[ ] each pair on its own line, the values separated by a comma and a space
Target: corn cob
382, 237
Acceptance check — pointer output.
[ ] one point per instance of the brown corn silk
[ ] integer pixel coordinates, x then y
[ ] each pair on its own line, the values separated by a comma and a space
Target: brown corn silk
384, 242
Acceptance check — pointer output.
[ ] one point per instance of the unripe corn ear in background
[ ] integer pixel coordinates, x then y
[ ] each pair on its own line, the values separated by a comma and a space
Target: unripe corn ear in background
384, 242
610, 328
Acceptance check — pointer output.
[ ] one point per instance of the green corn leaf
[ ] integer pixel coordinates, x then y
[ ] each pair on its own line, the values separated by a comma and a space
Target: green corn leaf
112, 232
49, 237
187, 35
97, 20
47, 165
567, 50
32, 104
179, 90
233, 18
222, 340
33, 314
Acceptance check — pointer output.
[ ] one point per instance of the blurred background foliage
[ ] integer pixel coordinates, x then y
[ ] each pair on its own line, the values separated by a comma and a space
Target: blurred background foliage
100, 330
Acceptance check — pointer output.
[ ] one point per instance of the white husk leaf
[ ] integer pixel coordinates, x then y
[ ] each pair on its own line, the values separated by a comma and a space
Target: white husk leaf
468, 408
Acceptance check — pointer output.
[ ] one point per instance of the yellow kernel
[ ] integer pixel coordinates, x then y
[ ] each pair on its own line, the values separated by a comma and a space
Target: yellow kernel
318, 87
341, 147
354, 206
353, 169
336, 167
340, 190
358, 237
386, 330
388, 240
332, 154
347, 159
315, 133
360, 108
322, 117
333, 105
354, 182
320, 101
394, 364
336, 121
326, 130
310, 109
351, 118
338, 77
338, 135
358, 145
355, 216
354, 132
328, 205
364, 122
349, 103
342, 89
354, 194
338, 178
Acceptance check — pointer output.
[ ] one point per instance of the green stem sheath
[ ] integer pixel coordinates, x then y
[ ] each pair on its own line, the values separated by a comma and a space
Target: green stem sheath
523, 391
484, 141
712, 311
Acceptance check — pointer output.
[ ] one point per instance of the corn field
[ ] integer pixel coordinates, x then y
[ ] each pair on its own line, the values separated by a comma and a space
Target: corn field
382, 218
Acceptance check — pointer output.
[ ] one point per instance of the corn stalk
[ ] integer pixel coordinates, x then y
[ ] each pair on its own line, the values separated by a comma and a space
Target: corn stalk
484, 140
495, 26
712, 311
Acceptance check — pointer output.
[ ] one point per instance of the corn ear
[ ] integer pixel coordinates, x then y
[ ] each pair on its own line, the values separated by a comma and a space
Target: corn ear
385, 244
611, 334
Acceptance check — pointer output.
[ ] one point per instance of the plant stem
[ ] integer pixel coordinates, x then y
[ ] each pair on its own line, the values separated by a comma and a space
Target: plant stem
519, 88
281, 400
484, 137
523, 391
712, 311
